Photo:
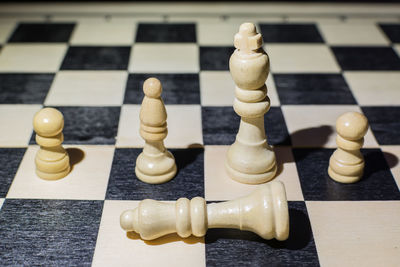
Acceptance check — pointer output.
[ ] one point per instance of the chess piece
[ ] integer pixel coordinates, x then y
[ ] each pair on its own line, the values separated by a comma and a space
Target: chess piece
346, 164
52, 161
250, 159
264, 212
155, 164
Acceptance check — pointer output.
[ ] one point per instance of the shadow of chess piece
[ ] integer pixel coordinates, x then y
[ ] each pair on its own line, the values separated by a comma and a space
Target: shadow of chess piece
76, 155
391, 159
52, 161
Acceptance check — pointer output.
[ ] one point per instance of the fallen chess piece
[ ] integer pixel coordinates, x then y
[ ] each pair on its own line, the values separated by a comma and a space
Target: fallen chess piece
264, 212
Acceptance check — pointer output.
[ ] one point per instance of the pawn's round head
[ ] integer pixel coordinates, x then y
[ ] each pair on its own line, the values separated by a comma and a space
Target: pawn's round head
48, 122
129, 220
352, 125
248, 29
152, 88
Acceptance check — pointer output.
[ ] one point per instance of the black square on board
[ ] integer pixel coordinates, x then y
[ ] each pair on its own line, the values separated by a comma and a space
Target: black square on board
89, 125
306, 89
221, 124
10, 158
215, 57
18, 88
179, 88
188, 182
42, 32
242, 248
290, 33
275, 127
392, 31
377, 182
96, 58
166, 33
366, 58
48, 232
385, 123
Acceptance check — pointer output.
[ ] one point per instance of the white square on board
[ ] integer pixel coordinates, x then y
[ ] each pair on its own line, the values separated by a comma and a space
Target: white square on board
77, 18
311, 19
164, 58
17, 127
372, 88
32, 57
301, 58
352, 34
21, 18
184, 18
138, 18
87, 88
183, 122
88, 178
115, 247
239, 19
315, 126
356, 233
103, 33
216, 88
371, 20
212, 34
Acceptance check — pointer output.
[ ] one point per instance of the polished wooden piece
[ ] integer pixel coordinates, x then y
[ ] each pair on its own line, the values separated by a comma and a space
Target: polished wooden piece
346, 164
264, 212
250, 159
155, 164
52, 161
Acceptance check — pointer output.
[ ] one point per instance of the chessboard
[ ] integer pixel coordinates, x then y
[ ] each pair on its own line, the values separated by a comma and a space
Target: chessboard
92, 67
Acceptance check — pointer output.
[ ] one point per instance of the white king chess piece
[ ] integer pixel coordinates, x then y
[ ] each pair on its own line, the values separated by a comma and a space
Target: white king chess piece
250, 159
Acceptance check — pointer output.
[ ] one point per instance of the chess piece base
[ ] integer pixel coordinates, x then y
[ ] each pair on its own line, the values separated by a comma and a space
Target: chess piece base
248, 178
343, 178
155, 179
53, 176
155, 169
345, 173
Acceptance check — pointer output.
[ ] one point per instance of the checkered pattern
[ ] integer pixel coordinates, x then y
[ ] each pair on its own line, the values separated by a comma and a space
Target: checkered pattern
93, 72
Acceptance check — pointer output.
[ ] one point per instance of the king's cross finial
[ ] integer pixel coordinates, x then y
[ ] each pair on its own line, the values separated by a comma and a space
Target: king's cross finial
247, 38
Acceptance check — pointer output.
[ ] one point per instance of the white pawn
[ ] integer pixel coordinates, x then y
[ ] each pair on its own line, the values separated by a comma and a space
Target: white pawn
155, 164
250, 159
52, 161
346, 164
264, 212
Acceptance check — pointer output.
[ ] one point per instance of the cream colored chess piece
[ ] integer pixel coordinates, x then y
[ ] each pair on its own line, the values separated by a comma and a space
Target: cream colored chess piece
346, 164
264, 212
155, 164
250, 159
52, 161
